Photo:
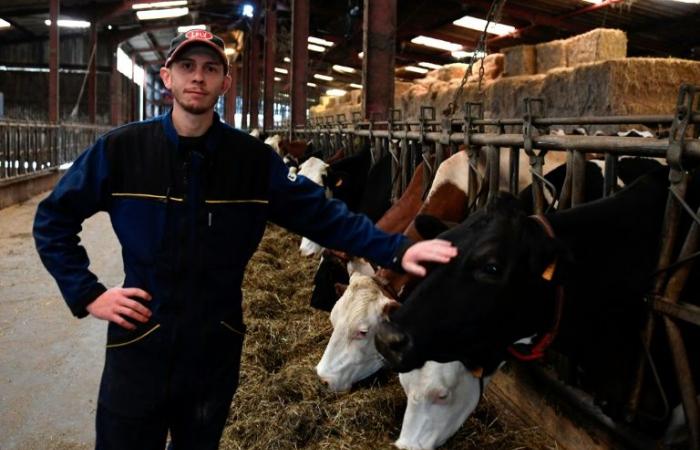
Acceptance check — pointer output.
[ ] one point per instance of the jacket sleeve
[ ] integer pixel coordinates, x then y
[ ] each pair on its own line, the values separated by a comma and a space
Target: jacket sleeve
80, 193
300, 205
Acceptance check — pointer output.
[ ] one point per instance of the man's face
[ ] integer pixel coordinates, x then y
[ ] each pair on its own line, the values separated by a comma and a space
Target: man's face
196, 79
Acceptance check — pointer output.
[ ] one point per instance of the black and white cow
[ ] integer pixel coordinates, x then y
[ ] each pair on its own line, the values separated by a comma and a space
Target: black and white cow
503, 286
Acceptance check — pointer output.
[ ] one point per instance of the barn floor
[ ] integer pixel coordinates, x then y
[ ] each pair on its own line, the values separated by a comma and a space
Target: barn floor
50, 362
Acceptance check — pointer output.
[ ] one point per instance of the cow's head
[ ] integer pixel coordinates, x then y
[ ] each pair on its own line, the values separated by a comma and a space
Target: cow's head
350, 355
487, 297
439, 398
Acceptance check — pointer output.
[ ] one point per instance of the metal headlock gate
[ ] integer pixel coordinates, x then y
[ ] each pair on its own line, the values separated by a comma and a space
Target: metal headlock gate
28, 147
409, 142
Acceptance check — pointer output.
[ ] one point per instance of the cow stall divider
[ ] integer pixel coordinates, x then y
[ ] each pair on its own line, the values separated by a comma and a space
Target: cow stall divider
410, 142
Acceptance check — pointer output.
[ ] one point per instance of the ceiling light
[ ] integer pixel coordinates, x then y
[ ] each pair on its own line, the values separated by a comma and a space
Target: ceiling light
436, 43
336, 92
187, 28
343, 69
286, 59
109, 27
278, 79
281, 70
312, 84
318, 76
229, 51
316, 48
355, 85
429, 65
461, 54
4, 24
416, 69
474, 23
247, 10
153, 14
70, 23
167, 4
361, 55
319, 41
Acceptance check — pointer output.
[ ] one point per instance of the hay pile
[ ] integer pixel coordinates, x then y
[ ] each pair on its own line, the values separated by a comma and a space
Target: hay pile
280, 403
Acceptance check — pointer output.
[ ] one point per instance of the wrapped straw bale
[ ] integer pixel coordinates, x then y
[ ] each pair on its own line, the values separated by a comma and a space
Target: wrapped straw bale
600, 44
551, 55
519, 60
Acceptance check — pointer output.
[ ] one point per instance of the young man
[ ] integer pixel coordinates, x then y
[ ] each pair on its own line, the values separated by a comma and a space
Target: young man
189, 198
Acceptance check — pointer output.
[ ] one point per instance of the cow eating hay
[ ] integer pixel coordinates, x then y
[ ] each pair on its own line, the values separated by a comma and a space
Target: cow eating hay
281, 404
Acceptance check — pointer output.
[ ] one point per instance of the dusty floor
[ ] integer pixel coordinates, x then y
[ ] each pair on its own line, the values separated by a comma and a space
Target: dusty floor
50, 362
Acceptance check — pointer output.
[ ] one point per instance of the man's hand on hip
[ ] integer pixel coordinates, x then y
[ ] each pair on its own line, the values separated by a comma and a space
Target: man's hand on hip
433, 250
116, 304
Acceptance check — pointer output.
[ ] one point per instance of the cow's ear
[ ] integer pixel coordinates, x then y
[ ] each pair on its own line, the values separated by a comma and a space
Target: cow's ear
549, 257
429, 226
389, 306
340, 289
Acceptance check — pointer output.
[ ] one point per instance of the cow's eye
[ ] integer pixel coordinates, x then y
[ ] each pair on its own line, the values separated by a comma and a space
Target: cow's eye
491, 269
360, 333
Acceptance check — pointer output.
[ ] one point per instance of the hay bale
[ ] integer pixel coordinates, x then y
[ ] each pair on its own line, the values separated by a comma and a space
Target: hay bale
519, 60
551, 55
450, 71
506, 95
600, 44
618, 87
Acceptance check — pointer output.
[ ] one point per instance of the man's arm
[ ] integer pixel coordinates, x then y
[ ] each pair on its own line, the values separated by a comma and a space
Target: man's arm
80, 193
300, 205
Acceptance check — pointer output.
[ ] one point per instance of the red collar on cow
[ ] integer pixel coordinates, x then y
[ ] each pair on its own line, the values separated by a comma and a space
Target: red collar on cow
538, 348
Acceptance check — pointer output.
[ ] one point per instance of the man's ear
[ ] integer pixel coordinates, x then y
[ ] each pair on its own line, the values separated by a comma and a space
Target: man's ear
226, 84
165, 76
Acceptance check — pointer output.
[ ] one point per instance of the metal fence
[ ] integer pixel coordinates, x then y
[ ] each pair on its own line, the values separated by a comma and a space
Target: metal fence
28, 147
485, 139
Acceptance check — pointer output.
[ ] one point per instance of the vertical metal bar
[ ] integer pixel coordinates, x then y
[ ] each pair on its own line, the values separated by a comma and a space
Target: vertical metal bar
610, 175
255, 73
115, 89
379, 47
493, 155
300, 58
514, 181
245, 81
54, 62
92, 75
270, 54
578, 181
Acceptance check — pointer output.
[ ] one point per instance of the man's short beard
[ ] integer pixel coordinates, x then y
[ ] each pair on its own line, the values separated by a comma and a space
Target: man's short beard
197, 110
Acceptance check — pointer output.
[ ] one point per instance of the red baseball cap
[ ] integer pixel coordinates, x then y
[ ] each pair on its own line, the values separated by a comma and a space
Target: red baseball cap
199, 37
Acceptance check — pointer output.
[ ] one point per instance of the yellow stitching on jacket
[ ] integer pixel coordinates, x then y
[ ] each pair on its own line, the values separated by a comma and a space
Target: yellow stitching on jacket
156, 197
135, 339
231, 328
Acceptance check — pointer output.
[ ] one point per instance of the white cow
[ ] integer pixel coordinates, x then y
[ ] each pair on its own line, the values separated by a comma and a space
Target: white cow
350, 355
274, 142
315, 170
439, 399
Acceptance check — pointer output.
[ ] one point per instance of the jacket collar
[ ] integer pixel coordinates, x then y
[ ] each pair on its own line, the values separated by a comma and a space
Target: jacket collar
214, 133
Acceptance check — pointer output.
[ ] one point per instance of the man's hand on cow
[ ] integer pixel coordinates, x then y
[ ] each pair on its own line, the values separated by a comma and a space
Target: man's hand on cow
433, 250
117, 303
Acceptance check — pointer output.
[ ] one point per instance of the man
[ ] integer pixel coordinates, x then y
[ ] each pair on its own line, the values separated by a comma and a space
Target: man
189, 198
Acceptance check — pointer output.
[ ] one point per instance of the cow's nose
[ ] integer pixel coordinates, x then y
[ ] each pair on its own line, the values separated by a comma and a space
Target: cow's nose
392, 343
325, 382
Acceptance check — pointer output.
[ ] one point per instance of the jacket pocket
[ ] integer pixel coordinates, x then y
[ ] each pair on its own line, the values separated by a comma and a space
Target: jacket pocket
120, 337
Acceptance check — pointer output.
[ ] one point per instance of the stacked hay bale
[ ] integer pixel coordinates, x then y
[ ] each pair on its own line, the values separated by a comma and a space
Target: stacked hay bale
281, 404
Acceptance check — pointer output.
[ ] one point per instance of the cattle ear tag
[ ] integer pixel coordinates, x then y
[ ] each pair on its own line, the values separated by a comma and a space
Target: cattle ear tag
548, 273
478, 372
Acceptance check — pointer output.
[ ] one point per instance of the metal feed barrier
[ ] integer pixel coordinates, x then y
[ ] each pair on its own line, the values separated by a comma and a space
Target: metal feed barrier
410, 141
28, 147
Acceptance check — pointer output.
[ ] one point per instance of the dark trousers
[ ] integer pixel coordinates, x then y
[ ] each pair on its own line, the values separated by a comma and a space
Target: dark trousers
197, 427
